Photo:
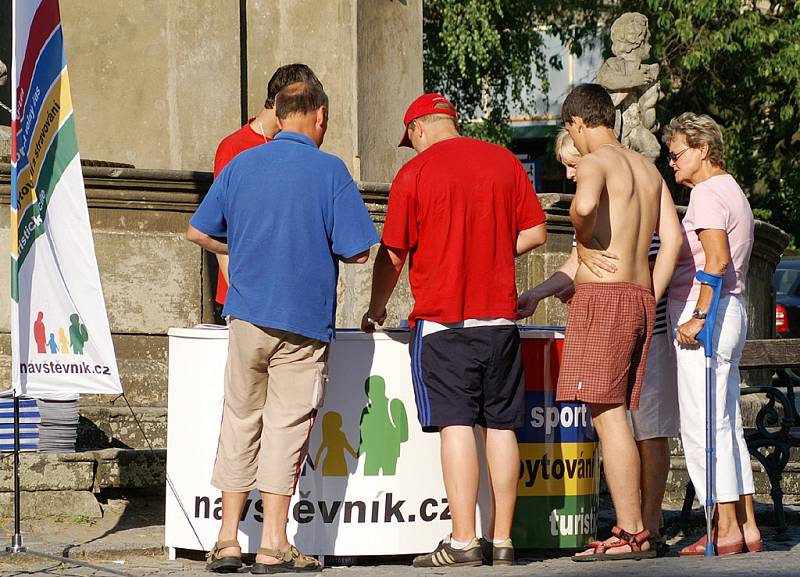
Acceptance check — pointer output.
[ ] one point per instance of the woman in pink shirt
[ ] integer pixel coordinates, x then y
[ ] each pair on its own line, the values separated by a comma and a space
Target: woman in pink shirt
718, 238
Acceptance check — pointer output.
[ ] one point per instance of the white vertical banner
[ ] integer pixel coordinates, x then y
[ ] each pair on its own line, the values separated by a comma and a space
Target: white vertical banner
61, 341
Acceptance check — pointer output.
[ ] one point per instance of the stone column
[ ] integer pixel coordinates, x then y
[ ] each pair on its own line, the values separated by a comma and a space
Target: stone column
158, 84
368, 55
154, 84
770, 242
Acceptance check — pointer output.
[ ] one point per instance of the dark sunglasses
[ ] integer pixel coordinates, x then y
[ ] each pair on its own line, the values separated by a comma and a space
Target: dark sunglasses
672, 157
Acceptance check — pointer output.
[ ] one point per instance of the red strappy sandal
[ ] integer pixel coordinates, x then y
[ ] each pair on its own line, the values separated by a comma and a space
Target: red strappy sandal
634, 541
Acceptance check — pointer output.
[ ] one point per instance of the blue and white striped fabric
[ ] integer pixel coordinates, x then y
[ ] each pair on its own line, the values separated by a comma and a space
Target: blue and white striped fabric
29, 419
420, 388
660, 326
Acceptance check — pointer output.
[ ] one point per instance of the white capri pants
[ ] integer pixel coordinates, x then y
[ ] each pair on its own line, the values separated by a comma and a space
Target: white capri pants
733, 474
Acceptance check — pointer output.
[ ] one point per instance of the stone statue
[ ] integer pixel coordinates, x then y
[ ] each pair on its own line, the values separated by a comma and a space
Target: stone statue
635, 136
633, 86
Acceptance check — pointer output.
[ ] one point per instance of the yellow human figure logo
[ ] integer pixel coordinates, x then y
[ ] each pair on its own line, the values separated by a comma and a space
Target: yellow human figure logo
63, 341
335, 443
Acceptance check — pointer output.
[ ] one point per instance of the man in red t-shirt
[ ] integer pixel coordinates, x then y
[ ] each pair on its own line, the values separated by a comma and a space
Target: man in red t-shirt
462, 209
259, 130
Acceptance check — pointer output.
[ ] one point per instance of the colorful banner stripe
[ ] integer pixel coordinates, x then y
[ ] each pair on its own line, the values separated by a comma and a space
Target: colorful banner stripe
45, 21
49, 68
541, 359
31, 226
547, 421
568, 469
555, 522
56, 110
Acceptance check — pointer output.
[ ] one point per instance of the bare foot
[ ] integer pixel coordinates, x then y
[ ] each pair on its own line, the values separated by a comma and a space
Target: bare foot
752, 535
731, 537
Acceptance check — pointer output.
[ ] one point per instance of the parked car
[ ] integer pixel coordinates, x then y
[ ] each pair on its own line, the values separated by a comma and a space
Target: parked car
787, 288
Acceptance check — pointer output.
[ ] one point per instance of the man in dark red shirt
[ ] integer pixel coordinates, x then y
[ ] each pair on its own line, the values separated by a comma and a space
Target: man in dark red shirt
259, 130
462, 209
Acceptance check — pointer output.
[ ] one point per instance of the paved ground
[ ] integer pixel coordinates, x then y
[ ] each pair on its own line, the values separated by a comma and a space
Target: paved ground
130, 544
772, 563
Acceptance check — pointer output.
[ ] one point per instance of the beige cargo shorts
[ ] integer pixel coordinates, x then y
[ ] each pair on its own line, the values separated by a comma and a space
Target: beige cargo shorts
274, 383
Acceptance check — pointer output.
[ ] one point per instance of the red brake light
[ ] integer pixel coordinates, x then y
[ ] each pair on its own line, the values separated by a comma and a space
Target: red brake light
781, 322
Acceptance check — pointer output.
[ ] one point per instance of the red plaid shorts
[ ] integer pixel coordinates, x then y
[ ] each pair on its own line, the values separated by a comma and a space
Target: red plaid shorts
609, 327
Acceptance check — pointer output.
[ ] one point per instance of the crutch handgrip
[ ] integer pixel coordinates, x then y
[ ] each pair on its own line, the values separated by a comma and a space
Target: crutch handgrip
706, 334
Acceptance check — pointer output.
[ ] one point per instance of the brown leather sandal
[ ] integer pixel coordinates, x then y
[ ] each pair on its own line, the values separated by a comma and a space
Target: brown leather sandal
634, 541
227, 564
292, 561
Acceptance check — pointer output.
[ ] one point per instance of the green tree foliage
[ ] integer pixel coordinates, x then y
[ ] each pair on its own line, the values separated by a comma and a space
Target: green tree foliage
488, 54
736, 60
739, 62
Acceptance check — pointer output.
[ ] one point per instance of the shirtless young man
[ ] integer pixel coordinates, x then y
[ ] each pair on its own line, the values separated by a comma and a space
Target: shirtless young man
620, 200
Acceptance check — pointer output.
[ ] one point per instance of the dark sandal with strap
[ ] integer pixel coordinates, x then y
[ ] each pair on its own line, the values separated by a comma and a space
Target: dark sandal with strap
292, 561
660, 542
634, 541
227, 564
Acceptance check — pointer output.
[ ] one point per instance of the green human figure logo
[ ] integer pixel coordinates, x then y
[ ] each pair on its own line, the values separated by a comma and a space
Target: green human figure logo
384, 427
78, 335
335, 442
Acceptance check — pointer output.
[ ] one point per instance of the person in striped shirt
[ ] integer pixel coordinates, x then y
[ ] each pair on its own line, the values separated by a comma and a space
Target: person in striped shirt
656, 419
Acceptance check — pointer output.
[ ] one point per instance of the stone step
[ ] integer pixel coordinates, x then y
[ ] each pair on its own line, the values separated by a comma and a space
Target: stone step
679, 477
105, 426
67, 483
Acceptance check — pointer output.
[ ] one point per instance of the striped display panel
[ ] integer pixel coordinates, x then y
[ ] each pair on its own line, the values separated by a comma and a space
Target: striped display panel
29, 420
555, 521
557, 494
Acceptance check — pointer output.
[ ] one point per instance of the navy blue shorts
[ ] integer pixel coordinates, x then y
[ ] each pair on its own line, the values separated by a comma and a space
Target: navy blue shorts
468, 376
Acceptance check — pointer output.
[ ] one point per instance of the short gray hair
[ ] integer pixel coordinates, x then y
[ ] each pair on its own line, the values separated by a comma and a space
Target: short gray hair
699, 129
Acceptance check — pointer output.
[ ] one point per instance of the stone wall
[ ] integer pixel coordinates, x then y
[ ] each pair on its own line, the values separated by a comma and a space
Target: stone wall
152, 278
158, 84
367, 53
56, 484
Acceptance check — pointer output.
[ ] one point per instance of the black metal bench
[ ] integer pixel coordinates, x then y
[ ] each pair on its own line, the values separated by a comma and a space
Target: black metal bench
777, 426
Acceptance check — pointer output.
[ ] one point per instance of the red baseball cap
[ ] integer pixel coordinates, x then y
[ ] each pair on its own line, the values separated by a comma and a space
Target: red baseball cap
432, 103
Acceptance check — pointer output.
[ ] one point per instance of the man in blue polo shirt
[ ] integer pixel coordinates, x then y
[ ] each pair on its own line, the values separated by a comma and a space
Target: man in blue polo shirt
286, 214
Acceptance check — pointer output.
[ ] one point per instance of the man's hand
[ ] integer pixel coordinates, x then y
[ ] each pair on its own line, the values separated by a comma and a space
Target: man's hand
597, 260
369, 320
527, 303
686, 333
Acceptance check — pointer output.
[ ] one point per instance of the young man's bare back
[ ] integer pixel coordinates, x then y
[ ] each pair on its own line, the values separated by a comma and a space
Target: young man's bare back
620, 201
627, 211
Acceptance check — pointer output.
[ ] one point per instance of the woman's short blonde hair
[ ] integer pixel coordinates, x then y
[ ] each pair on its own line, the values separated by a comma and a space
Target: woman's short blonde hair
565, 147
699, 129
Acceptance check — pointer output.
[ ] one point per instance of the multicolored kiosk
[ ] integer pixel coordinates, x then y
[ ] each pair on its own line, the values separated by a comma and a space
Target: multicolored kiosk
559, 485
372, 482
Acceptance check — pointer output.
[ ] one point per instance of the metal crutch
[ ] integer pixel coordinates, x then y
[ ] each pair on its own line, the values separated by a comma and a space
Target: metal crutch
706, 337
